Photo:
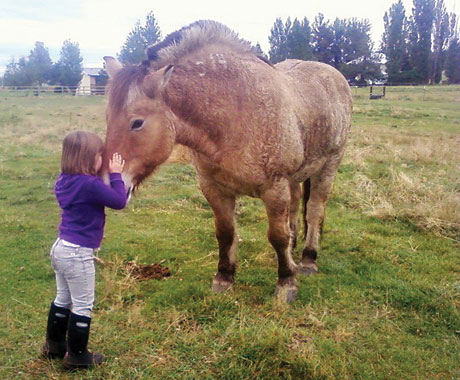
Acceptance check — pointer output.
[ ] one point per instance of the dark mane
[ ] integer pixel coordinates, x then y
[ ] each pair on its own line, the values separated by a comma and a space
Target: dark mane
190, 38
170, 39
174, 46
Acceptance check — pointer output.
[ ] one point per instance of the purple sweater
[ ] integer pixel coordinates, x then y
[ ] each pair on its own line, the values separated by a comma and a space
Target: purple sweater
82, 199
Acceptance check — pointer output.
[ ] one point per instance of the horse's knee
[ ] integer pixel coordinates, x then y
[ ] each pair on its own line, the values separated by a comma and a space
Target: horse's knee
225, 234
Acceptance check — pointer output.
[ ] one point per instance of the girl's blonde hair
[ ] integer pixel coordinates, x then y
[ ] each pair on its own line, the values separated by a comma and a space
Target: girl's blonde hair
79, 152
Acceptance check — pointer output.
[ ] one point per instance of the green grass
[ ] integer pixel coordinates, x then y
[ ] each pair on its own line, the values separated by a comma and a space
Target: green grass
385, 304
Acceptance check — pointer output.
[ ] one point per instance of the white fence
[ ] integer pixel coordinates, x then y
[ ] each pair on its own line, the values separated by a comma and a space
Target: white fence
39, 90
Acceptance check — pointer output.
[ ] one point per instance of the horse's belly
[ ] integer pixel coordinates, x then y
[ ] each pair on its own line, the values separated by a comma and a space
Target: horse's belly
239, 180
308, 169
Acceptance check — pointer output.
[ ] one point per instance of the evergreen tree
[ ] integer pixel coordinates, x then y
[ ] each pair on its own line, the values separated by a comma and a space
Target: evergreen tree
278, 41
290, 40
260, 52
68, 70
453, 62
39, 64
18, 73
394, 43
339, 30
421, 25
346, 45
453, 53
323, 39
358, 62
440, 39
139, 39
151, 30
298, 40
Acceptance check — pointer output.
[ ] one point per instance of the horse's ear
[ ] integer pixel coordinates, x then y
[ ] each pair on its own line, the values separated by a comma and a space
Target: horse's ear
154, 83
167, 71
112, 66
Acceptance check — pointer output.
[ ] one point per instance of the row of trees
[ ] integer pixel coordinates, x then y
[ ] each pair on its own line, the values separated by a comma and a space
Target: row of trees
345, 44
417, 48
37, 68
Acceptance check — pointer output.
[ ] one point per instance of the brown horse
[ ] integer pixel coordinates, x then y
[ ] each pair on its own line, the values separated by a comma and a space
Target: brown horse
253, 128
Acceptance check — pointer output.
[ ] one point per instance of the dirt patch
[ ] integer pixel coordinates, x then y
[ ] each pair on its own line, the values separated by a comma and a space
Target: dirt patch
138, 271
146, 271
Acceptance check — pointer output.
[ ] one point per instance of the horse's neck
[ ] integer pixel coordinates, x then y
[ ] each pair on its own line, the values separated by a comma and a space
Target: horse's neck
197, 140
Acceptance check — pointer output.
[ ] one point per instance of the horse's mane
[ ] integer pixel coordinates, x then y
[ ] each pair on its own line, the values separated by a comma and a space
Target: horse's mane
174, 46
192, 37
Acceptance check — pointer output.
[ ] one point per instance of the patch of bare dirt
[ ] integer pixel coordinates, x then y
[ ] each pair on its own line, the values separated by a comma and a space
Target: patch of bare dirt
146, 271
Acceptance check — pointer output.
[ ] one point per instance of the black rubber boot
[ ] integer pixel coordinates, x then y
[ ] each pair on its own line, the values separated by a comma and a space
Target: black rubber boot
56, 330
77, 355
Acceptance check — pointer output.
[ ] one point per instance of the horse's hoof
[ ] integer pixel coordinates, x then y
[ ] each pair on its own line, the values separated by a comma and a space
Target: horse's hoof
307, 269
286, 293
220, 287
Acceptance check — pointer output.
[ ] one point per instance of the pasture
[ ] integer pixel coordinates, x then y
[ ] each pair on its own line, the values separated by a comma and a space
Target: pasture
385, 304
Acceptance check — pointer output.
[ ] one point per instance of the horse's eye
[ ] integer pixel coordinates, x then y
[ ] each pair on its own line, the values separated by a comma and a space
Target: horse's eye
137, 124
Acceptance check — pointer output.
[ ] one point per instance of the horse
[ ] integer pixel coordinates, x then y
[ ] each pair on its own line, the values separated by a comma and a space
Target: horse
253, 128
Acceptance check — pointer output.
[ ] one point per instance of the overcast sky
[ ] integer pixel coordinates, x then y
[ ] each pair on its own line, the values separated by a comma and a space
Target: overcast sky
101, 26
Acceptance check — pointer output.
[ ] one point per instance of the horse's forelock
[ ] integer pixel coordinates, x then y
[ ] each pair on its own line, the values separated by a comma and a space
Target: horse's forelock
125, 86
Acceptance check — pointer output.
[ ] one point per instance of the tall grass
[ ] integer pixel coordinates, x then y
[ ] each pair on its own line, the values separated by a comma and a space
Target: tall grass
385, 304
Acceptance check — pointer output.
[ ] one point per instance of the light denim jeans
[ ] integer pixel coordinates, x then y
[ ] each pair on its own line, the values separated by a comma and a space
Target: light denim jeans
75, 276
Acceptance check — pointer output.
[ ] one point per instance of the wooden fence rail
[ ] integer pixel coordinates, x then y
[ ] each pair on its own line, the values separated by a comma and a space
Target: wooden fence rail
37, 90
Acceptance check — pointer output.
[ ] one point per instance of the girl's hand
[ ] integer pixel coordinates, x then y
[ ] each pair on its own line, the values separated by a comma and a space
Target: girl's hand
116, 164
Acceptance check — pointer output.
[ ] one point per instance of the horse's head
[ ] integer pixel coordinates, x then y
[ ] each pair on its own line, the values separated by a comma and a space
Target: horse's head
139, 124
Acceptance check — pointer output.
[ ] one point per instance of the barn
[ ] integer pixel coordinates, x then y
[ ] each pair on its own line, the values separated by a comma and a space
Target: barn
92, 81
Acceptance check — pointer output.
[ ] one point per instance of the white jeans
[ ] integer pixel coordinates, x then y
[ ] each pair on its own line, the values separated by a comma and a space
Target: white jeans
75, 276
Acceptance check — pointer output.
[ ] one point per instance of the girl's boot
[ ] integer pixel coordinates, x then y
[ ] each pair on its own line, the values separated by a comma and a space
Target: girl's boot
55, 345
77, 355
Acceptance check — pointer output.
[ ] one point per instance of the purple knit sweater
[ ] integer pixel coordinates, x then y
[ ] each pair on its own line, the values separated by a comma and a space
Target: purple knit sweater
82, 199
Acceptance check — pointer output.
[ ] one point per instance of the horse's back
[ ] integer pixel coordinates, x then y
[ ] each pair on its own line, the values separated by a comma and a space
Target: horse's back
322, 102
317, 78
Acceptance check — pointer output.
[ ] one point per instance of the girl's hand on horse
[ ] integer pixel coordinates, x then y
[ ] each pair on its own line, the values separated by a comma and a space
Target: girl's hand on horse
116, 164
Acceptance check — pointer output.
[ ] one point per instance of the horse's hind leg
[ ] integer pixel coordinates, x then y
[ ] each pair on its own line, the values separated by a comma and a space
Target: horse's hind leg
296, 194
223, 206
277, 203
320, 187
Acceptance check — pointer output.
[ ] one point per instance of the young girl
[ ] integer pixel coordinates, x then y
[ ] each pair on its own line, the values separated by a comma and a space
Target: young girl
82, 196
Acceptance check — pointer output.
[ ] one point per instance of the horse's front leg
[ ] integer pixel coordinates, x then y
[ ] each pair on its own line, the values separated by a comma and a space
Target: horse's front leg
277, 201
223, 206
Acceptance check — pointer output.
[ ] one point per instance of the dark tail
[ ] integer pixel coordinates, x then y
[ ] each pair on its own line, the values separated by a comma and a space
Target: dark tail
306, 196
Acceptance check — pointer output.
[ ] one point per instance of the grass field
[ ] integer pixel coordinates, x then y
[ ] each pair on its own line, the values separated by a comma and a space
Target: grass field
385, 305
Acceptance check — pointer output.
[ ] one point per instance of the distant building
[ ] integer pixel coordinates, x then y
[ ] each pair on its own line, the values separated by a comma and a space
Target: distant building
92, 82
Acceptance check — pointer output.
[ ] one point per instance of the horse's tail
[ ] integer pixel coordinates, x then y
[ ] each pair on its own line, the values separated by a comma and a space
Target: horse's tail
306, 196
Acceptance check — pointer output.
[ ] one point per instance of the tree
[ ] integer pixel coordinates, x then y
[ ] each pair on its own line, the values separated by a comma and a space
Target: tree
39, 63
421, 26
346, 44
298, 40
453, 53
278, 41
394, 43
68, 70
139, 39
258, 50
18, 73
440, 40
358, 63
290, 40
323, 40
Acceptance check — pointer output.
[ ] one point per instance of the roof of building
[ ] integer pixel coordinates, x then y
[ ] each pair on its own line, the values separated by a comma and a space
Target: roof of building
92, 71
